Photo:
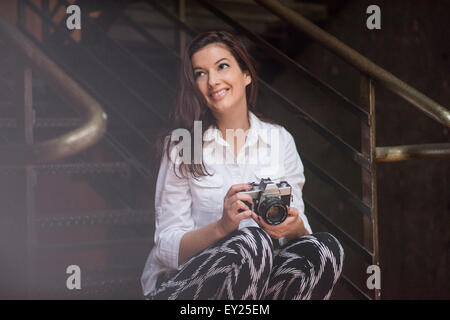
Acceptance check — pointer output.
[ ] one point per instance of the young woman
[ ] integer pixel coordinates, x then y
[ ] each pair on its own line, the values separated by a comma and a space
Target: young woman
208, 243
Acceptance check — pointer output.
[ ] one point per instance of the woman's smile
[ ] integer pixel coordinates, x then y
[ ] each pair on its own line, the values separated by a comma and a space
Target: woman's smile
219, 94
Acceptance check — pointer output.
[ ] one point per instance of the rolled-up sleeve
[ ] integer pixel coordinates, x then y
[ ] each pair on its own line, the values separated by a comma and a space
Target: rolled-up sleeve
172, 213
294, 175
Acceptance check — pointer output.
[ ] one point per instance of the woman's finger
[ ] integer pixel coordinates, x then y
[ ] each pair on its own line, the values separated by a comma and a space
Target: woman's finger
239, 205
255, 217
272, 233
244, 215
292, 211
242, 197
236, 188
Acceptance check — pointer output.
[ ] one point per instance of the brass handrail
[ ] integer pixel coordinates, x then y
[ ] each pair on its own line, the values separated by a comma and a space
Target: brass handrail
68, 144
416, 98
408, 152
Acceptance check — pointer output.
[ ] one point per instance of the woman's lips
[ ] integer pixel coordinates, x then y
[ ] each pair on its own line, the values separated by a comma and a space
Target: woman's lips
219, 95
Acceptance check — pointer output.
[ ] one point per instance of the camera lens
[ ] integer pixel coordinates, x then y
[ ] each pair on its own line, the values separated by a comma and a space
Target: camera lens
273, 211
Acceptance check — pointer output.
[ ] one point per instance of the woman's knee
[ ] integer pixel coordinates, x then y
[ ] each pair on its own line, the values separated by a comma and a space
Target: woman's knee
318, 247
332, 244
329, 240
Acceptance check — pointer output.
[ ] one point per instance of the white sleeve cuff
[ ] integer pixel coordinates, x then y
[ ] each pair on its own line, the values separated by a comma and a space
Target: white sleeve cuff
169, 248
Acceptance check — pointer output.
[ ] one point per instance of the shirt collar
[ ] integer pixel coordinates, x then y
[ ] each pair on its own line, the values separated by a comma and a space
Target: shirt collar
258, 129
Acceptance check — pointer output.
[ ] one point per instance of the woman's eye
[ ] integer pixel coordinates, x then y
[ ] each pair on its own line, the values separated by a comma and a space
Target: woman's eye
223, 66
198, 74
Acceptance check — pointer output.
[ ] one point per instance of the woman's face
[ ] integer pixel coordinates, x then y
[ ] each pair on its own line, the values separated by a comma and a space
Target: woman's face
220, 79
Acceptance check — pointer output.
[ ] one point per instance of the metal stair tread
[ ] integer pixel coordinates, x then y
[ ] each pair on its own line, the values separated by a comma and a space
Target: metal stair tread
105, 217
122, 167
98, 243
245, 10
85, 167
56, 122
11, 123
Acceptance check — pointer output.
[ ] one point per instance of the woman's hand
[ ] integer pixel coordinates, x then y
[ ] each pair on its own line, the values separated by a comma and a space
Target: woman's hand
232, 204
291, 228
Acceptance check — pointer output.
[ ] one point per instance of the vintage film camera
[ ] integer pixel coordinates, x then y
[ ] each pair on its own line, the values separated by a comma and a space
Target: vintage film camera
270, 200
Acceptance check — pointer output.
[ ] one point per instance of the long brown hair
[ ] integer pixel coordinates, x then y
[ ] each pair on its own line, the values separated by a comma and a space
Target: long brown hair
191, 105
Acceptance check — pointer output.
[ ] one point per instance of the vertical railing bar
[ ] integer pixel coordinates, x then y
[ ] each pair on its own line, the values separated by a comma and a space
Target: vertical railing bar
28, 104
25, 124
29, 177
369, 177
31, 180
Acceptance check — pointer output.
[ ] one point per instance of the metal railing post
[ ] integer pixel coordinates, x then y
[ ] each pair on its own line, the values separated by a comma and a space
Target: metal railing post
369, 177
30, 176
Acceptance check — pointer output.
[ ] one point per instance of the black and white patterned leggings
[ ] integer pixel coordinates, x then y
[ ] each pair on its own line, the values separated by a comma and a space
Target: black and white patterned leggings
244, 265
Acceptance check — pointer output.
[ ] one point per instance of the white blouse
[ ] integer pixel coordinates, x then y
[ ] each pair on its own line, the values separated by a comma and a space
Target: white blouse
185, 204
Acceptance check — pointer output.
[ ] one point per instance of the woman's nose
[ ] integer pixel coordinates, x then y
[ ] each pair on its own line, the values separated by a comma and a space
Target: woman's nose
213, 80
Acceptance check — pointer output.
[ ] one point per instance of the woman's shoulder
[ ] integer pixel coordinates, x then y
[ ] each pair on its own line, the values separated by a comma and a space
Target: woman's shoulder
265, 122
269, 124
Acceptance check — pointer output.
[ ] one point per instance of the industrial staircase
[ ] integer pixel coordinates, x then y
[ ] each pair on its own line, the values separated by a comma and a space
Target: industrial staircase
95, 209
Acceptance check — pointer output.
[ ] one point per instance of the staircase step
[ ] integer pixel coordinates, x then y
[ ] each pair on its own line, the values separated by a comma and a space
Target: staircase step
100, 243
109, 217
58, 122
55, 106
108, 287
81, 168
97, 283
49, 123
242, 10
85, 168
11, 123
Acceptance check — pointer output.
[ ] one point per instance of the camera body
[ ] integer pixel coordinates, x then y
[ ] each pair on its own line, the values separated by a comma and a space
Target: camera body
270, 200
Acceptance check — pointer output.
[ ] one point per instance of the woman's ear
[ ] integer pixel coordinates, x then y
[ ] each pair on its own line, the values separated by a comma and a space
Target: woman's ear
247, 78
